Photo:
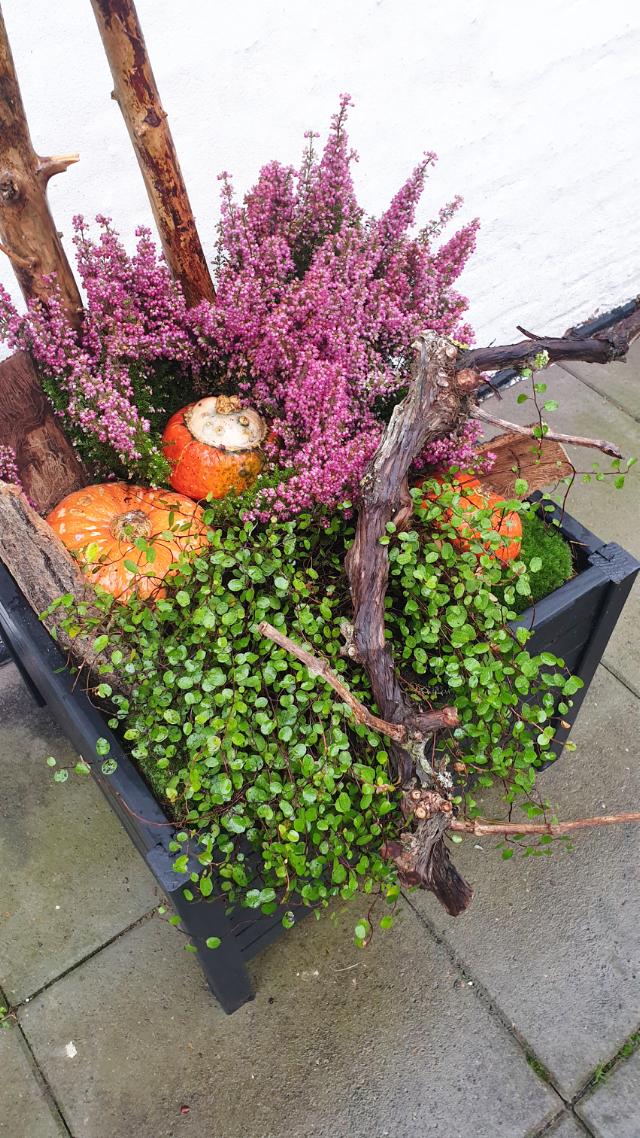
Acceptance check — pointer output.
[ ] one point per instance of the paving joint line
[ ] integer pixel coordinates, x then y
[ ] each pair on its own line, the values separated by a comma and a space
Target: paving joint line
37, 1071
620, 678
40, 1076
492, 1005
548, 1126
613, 1064
609, 398
570, 1113
84, 960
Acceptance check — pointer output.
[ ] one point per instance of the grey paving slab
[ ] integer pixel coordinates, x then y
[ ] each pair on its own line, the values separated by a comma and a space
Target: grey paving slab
567, 1127
556, 940
25, 1110
618, 381
70, 877
613, 1110
338, 1042
614, 515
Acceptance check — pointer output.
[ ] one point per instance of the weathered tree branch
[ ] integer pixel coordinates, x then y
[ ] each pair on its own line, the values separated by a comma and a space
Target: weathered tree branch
554, 436
439, 398
611, 344
433, 818
481, 828
434, 405
48, 466
136, 93
15, 258
55, 164
430, 721
27, 230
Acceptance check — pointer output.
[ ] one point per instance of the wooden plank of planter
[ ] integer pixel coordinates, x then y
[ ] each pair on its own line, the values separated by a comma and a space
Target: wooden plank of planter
47, 463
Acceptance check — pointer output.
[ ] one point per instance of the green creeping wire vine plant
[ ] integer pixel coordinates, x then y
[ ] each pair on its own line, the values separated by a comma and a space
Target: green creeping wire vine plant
251, 753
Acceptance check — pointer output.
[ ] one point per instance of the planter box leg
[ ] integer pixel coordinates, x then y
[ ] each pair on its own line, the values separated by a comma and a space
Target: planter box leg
224, 967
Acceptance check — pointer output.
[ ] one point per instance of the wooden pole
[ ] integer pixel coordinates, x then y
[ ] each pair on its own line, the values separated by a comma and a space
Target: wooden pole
136, 93
48, 466
28, 234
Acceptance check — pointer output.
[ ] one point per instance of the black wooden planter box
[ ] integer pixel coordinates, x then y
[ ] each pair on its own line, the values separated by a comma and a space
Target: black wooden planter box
575, 623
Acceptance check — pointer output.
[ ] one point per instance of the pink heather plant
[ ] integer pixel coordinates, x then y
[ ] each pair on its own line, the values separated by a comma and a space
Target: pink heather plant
107, 381
8, 466
460, 450
9, 470
316, 310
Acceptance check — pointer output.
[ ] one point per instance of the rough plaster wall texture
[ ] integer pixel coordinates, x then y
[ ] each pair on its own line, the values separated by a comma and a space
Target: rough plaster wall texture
533, 111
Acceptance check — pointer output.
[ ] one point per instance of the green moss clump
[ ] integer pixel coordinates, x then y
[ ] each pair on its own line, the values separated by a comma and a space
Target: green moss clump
543, 540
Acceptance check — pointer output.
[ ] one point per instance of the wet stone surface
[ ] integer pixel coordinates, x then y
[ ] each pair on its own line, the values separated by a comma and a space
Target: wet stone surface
556, 940
389, 1041
70, 877
25, 1108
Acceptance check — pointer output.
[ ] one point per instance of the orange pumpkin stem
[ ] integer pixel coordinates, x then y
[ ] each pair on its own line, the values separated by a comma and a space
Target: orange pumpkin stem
133, 524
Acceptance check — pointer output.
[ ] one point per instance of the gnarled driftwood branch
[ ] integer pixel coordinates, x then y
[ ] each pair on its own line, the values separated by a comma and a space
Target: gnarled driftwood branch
608, 345
435, 404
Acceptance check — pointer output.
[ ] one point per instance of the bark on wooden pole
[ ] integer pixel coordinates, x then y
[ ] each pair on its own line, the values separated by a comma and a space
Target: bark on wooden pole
28, 234
136, 93
48, 466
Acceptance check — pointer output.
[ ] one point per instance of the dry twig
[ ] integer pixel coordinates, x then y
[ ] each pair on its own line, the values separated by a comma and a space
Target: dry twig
429, 721
554, 436
486, 829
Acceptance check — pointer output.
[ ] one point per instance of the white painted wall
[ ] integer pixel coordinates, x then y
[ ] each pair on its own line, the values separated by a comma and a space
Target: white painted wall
534, 110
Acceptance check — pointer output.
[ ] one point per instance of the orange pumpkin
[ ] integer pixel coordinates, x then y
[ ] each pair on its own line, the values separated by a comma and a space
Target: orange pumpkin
473, 497
214, 447
100, 525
